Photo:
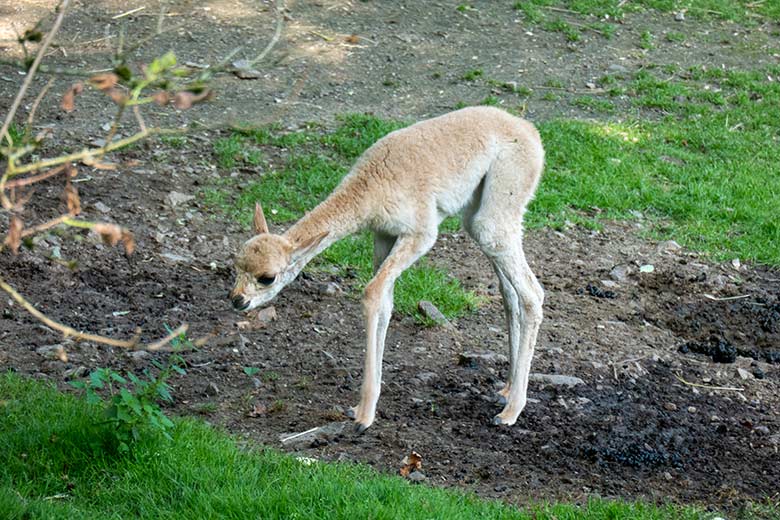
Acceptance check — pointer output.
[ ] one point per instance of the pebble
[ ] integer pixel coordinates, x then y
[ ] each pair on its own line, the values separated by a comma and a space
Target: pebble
212, 389
102, 207
417, 476
670, 406
175, 198
679, 16
691, 409
761, 430
473, 359
620, 273
556, 379
430, 311
330, 289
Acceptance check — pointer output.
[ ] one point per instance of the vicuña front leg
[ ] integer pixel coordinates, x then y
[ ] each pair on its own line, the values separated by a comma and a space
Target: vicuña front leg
378, 307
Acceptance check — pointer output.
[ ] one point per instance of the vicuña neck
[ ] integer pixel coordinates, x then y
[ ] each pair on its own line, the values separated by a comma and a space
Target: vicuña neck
340, 215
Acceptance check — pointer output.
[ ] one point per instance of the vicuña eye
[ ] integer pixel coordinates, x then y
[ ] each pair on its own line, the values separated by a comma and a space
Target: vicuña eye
266, 280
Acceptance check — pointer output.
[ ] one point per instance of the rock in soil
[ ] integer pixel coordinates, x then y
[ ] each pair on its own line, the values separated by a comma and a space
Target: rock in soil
259, 319
417, 476
474, 359
175, 198
430, 311
556, 379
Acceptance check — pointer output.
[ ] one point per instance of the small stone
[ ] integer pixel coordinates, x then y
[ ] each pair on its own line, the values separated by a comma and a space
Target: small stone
679, 16
667, 475
744, 374
556, 379
102, 207
670, 406
691, 409
668, 246
212, 389
761, 430
330, 289
417, 476
647, 268
175, 198
620, 273
258, 319
256, 382
715, 418
617, 68
139, 355
736, 264
173, 257
430, 311
75, 373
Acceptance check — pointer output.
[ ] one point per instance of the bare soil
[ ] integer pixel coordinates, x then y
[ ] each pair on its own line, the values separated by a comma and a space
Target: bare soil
650, 421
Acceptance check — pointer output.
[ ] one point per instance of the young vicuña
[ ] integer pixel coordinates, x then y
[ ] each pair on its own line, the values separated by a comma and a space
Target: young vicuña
480, 161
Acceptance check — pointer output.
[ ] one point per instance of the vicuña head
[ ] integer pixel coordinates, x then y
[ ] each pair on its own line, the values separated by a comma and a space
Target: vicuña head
265, 264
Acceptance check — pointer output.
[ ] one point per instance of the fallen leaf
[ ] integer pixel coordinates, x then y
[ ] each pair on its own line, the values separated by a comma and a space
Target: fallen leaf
68, 103
14, 238
412, 462
354, 39
104, 81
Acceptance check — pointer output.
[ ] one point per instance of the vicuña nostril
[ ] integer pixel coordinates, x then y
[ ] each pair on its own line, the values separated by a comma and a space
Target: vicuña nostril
238, 302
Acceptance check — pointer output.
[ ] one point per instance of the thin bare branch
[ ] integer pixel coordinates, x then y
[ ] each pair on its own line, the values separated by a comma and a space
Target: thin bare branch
277, 33
16, 183
63, 7
69, 332
38, 99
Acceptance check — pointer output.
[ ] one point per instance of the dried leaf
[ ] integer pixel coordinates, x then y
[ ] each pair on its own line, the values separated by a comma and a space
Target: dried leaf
117, 96
104, 81
161, 97
14, 238
129, 241
411, 462
72, 199
185, 99
257, 410
68, 103
110, 233
354, 39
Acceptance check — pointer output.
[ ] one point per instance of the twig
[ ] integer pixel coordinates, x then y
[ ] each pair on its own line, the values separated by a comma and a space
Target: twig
70, 332
729, 388
277, 33
31, 117
16, 183
31, 73
726, 298
46, 225
139, 118
128, 13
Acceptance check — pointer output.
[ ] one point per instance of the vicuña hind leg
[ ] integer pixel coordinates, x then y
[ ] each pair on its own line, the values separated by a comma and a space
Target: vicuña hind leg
378, 307
522, 296
524, 321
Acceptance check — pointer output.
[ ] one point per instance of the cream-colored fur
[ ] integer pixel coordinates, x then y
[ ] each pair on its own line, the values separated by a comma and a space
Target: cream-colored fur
480, 161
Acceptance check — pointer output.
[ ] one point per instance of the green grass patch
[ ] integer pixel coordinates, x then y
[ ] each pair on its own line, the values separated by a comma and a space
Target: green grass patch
705, 174
743, 11
53, 466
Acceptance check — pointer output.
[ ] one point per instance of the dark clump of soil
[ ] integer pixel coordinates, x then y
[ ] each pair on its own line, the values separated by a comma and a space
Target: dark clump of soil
633, 455
598, 292
720, 350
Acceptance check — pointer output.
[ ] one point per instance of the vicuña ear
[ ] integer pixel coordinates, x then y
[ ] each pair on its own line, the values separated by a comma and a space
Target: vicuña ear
259, 223
308, 245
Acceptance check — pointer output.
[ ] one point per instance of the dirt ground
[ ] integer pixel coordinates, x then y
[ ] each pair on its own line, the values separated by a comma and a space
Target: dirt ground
657, 417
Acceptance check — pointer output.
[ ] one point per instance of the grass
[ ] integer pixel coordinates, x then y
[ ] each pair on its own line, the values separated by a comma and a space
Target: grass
742, 11
56, 464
